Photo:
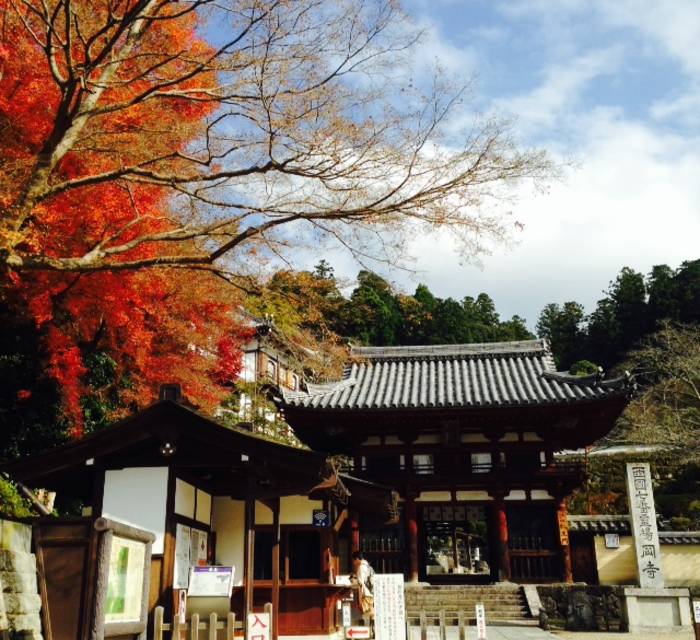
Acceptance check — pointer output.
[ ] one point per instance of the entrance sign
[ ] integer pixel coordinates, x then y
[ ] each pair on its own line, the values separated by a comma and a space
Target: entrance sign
646, 536
480, 622
347, 615
612, 540
563, 528
358, 632
258, 627
182, 557
211, 581
696, 610
389, 606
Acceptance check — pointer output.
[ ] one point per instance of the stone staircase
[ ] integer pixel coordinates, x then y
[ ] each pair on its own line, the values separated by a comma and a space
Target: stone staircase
505, 604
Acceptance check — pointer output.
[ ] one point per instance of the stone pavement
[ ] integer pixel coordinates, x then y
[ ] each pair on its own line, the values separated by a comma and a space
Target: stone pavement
495, 633
534, 633
642, 635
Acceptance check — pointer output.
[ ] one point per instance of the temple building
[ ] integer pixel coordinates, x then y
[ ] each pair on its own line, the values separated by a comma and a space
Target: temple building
467, 435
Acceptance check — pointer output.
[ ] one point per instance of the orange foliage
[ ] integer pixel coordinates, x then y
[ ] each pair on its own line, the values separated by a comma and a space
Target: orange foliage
158, 325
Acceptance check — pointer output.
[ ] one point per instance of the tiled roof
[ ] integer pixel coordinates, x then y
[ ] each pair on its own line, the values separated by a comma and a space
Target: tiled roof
621, 524
464, 375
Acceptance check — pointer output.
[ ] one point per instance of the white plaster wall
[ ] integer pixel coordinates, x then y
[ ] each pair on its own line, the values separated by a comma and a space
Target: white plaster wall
434, 496
184, 498
293, 510
138, 496
228, 518
510, 436
203, 507
474, 437
516, 494
531, 436
541, 494
473, 495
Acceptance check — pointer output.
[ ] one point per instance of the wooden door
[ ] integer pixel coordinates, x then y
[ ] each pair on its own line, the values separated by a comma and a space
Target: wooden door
583, 558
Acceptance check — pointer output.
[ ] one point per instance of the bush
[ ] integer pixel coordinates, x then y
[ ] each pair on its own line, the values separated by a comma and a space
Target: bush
12, 503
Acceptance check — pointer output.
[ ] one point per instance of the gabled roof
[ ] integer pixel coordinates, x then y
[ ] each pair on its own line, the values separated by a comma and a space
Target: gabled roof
224, 458
453, 376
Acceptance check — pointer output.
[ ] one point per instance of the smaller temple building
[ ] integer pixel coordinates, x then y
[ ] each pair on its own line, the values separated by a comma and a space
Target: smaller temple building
467, 435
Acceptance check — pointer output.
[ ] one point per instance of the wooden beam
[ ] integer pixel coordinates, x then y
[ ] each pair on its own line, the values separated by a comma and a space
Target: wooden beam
342, 516
276, 541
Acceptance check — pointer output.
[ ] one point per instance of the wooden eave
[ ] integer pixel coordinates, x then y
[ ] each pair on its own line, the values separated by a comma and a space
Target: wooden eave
224, 461
563, 425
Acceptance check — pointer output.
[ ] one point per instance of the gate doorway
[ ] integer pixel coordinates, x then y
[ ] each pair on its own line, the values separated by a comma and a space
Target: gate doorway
455, 544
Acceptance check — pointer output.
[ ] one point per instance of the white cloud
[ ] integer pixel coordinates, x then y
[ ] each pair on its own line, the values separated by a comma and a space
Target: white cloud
634, 201
561, 88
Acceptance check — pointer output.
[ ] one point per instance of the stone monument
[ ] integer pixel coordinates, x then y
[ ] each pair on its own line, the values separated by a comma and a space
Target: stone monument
651, 605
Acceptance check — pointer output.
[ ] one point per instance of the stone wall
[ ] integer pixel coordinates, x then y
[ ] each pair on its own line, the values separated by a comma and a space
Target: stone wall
19, 599
581, 607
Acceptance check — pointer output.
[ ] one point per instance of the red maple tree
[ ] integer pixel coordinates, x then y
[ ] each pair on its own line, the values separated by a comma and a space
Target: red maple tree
157, 325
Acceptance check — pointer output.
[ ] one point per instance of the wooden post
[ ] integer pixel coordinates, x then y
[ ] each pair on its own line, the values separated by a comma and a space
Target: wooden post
565, 548
443, 625
249, 558
500, 523
213, 622
230, 625
194, 627
412, 536
354, 532
158, 624
276, 535
423, 625
461, 631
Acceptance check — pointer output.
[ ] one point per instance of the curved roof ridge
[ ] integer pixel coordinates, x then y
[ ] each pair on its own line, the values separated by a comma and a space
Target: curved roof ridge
447, 350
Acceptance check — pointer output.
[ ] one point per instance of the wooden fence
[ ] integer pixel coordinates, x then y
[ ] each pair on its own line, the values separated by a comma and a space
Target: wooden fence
190, 630
439, 619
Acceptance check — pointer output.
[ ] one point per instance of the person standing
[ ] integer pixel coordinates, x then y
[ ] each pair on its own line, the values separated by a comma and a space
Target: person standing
363, 574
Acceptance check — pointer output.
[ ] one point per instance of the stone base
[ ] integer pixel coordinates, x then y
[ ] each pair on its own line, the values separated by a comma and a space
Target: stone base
657, 609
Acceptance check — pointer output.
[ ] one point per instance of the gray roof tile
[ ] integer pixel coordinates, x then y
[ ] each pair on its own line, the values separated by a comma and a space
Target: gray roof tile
463, 375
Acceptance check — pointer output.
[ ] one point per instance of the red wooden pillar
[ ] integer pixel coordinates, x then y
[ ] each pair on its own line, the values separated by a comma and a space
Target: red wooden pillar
565, 548
248, 558
500, 523
354, 531
276, 536
410, 513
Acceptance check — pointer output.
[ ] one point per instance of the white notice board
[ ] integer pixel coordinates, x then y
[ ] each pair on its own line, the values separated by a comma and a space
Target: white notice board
182, 557
389, 606
211, 581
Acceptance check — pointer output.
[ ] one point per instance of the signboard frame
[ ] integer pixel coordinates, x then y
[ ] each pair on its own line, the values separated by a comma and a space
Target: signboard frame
113, 537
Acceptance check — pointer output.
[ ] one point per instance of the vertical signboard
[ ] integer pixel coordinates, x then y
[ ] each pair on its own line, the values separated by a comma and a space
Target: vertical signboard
258, 626
480, 622
646, 536
389, 606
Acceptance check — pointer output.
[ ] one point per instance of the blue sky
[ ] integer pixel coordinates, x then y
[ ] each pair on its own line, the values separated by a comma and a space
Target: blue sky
613, 87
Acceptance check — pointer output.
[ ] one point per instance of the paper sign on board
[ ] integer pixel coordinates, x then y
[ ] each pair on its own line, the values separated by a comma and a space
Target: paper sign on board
347, 618
389, 606
480, 622
211, 581
696, 610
